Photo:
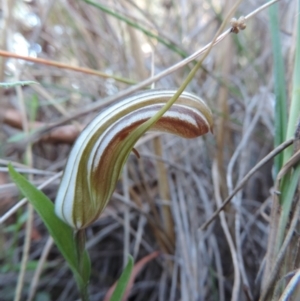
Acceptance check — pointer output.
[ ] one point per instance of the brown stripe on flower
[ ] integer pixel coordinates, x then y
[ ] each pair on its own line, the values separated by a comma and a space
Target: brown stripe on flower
98, 157
107, 167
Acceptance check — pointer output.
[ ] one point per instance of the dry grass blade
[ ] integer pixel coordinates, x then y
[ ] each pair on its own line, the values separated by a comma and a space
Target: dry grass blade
261, 163
291, 287
39, 269
237, 275
277, 262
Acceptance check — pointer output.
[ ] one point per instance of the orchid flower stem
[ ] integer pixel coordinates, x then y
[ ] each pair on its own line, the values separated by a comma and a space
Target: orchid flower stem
80, 239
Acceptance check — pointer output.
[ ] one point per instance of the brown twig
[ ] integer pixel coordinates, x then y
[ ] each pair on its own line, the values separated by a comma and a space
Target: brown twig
8, 54
62, 134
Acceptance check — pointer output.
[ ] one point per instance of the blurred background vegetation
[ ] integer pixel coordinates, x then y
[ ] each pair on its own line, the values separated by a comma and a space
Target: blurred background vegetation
163, 197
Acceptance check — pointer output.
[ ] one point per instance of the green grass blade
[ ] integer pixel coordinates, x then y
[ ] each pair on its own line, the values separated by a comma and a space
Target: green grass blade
18, 83
19, 136
61, 232
138, 27
123, 281
290, 181
289, 186
279, 86
294, 113
86, 268
33, 107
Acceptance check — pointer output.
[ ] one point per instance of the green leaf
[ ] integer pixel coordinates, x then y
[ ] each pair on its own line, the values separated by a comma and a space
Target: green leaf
31, 266
288, 188
86, 273
123, 281
61, 232
294, 112
20, 136
33, 106
18, 83
279, 86
291, 180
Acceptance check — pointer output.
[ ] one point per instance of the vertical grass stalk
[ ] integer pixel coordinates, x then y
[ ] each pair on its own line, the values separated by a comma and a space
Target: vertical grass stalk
294, 112
280, 113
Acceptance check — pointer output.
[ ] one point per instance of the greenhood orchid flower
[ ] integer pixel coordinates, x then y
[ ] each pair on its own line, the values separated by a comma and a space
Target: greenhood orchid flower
99, 153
